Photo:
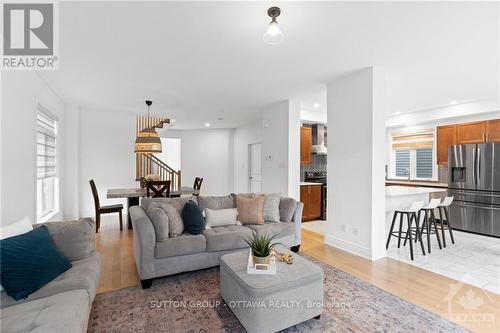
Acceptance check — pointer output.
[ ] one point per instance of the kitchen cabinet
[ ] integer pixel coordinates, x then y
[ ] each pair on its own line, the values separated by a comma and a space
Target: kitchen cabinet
310, 195
465, 133
446, 136
474, 132
305, 145
493, 130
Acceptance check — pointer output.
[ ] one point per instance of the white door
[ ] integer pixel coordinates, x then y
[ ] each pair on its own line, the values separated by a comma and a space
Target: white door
255, 170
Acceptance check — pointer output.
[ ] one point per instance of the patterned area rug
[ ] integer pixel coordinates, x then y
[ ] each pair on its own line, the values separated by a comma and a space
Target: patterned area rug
191, 302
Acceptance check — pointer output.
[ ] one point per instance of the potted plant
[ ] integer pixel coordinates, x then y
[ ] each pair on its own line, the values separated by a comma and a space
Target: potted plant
149, 178
261, 247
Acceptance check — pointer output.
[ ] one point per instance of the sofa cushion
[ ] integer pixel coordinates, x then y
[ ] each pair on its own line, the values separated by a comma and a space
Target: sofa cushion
220, 217
192, 216
287, 209
227, 237
178, 203
271, 209
159, 218
216, 202
30, 261
281, 229
64, 312
75, 239
250, 210
84, 275
181, 245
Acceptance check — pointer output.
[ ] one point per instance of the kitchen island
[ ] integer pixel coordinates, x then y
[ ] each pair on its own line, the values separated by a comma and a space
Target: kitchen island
397, 197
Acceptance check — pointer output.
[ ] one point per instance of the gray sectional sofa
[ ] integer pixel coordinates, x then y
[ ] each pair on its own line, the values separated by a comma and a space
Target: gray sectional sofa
62, 305
192, 252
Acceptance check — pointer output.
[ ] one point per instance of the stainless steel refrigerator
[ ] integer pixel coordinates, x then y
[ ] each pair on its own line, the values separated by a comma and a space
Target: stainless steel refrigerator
474, 181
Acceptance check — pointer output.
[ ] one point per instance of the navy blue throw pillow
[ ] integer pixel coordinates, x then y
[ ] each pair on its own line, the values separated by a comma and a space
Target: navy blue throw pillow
30, 261
192, 217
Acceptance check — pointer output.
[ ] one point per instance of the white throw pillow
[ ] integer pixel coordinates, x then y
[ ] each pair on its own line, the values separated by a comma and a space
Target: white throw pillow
17, 228
220, 217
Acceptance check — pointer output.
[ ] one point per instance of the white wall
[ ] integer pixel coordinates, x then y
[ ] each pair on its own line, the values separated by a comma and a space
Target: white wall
356, 156
171, 152
281, 148
21, 91
244, 136
208, 154
106, 155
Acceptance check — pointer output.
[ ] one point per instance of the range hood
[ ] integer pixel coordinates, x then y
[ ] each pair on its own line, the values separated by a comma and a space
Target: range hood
319, 139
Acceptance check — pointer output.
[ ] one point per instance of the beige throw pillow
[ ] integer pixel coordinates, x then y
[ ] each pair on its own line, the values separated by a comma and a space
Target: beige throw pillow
250, 210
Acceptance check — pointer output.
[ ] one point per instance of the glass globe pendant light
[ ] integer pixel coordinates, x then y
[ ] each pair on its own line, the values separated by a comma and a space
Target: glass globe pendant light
273, 35
148, 140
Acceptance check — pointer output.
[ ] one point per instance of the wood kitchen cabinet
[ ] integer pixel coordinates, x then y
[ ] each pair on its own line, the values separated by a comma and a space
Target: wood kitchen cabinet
310, 195
446, 136
474, 132
305, 145
493, 130
465, 133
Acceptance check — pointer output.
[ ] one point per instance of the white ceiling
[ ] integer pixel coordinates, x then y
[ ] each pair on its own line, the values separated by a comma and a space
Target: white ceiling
204, 60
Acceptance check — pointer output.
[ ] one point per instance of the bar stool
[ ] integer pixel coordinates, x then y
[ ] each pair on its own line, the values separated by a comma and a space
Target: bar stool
430, 218
443, 207
411, 213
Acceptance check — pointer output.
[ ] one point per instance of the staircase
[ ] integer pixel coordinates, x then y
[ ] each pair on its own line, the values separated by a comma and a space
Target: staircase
146, 164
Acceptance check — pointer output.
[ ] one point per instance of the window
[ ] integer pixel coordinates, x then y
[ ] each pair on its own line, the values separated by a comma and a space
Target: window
47, 184
413, 155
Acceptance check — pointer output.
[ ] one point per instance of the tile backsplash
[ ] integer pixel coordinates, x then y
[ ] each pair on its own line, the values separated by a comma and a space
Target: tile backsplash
443, 174
318, 163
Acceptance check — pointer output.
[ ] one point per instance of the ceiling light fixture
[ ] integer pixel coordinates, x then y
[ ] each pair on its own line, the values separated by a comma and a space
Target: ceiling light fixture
273, 34
398, 112
453, 102
315, 105
148, 141
207, 124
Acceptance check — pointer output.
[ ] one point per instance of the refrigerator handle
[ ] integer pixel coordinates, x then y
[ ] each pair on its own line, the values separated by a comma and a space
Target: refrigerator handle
474, 161
478, 168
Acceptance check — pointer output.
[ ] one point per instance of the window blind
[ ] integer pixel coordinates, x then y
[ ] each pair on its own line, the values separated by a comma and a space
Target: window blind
46, 157
424, 163
413, 139
402, 161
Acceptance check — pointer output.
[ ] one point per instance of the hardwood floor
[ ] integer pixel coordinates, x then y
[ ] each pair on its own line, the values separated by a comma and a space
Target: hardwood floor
471, 307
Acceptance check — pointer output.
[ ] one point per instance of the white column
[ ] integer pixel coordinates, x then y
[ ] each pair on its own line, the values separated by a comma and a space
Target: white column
356, 158
281, 148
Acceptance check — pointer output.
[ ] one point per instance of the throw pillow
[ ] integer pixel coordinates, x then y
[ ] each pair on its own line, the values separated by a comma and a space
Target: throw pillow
14, 229
250, 210
272, 207
192, 216
159, 218
216, 202
287, 209
220, 217
175, 224
30, 261
20, 227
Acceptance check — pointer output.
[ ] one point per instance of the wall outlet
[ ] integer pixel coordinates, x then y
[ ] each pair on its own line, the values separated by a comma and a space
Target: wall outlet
355, 231
344, 227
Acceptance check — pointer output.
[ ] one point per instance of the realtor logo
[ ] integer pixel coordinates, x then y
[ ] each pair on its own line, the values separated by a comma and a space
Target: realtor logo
29, 36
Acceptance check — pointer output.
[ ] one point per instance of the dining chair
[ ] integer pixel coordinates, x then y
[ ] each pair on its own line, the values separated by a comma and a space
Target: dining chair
158, 189
197, 185
104, 209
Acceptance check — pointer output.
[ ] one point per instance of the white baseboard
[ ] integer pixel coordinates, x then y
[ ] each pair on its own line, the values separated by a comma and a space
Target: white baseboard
353, 248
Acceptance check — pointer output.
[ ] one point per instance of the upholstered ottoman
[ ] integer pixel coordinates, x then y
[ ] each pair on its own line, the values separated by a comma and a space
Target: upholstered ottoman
269, 303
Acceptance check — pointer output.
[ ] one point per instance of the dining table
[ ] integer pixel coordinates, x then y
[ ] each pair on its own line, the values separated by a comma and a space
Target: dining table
133, 196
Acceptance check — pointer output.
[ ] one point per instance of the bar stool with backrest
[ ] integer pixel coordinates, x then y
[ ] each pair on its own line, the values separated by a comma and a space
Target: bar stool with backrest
103, 209
430, 218
197, 185
443, 212
411, 214
158, 189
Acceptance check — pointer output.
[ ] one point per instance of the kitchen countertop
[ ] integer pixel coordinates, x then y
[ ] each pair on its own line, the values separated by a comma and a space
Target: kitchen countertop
309, 183
398, 191
404, 182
